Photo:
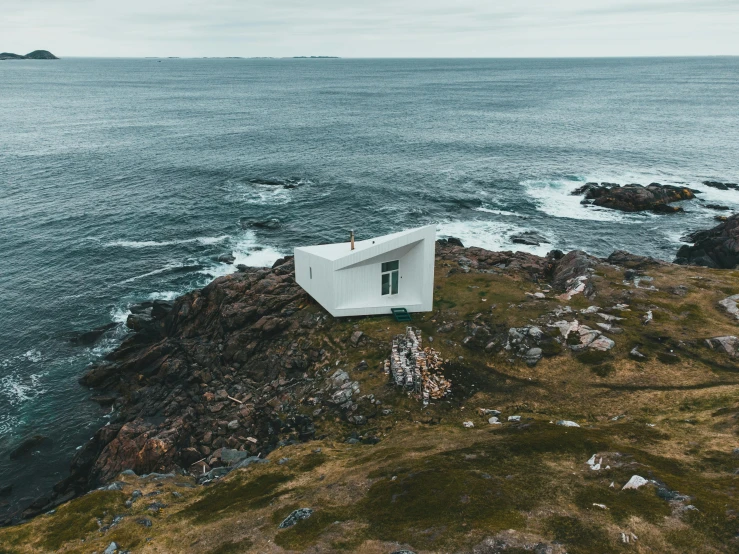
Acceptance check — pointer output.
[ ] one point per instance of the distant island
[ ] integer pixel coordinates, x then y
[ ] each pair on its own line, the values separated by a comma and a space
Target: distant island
35, 55
314, 57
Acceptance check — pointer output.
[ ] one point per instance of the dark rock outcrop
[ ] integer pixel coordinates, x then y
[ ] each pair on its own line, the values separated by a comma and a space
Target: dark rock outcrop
266, 224
91, 337
451, 241
29, 445
531, 238
632, 261
717, 247
570, 267
634, 197
721, 186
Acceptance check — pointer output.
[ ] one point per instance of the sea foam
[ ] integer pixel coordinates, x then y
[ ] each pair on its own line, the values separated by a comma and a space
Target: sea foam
490, 235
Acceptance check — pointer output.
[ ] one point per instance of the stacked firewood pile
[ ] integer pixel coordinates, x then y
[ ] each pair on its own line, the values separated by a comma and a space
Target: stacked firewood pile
416, 368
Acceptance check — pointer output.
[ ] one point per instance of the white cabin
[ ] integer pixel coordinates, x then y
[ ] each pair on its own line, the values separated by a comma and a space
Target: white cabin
393, 271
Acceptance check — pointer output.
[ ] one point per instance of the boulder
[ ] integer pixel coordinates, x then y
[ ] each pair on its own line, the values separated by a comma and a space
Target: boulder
161, 308
731, 305
298, 515
227, 258
716, 248
727, 344
721, 186
635, 482
632, 261
570, 268
92, 336
451, 241
530, 238
267, 224
139, 322
29, 445
232, 457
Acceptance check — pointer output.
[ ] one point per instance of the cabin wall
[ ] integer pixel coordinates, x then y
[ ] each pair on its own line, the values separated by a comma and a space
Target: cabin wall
320, 285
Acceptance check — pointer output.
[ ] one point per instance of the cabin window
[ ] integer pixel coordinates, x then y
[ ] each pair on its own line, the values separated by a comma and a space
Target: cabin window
311, 272
390, 277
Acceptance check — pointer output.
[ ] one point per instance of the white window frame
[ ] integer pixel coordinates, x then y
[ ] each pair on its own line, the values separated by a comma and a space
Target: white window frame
390, 273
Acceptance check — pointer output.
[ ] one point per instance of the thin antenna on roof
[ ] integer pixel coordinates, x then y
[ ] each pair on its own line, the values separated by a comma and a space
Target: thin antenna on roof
352, 238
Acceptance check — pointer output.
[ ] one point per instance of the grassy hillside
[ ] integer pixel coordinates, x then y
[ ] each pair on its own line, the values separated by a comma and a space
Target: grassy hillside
432, 485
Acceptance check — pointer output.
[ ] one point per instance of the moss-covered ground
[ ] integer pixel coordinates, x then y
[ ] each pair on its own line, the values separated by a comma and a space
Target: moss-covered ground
431, 485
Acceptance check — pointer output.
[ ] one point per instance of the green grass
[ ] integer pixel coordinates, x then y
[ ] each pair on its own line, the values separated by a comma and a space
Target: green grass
579, 537
235, 547
76, 519
243, 492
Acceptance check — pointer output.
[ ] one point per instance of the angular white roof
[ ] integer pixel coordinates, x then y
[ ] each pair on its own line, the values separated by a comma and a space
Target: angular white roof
367, 248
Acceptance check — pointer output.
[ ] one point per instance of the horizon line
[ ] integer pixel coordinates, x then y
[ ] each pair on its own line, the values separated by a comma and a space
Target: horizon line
331, 57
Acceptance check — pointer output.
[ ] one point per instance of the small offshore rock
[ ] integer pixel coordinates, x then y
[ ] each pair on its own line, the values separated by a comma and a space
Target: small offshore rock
530, 238
298, 515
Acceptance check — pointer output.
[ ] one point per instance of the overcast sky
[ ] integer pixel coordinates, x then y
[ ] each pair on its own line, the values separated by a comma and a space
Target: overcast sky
371, 28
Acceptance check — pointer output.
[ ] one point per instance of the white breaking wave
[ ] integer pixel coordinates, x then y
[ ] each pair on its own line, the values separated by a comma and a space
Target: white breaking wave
17, 389
490, 235
497, 212
153, 243
246, 251
709, 195
254, 193
168, 267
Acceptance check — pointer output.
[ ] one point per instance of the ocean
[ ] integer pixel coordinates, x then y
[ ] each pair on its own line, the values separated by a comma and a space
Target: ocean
124, 180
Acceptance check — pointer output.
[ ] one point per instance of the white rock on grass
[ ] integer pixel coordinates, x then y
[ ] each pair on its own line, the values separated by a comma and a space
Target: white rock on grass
635, 482
731, 305
567, 423
628, 538
468, 424
494, 421
602, 343
729, 344
514, 418
647, 318
593, 464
